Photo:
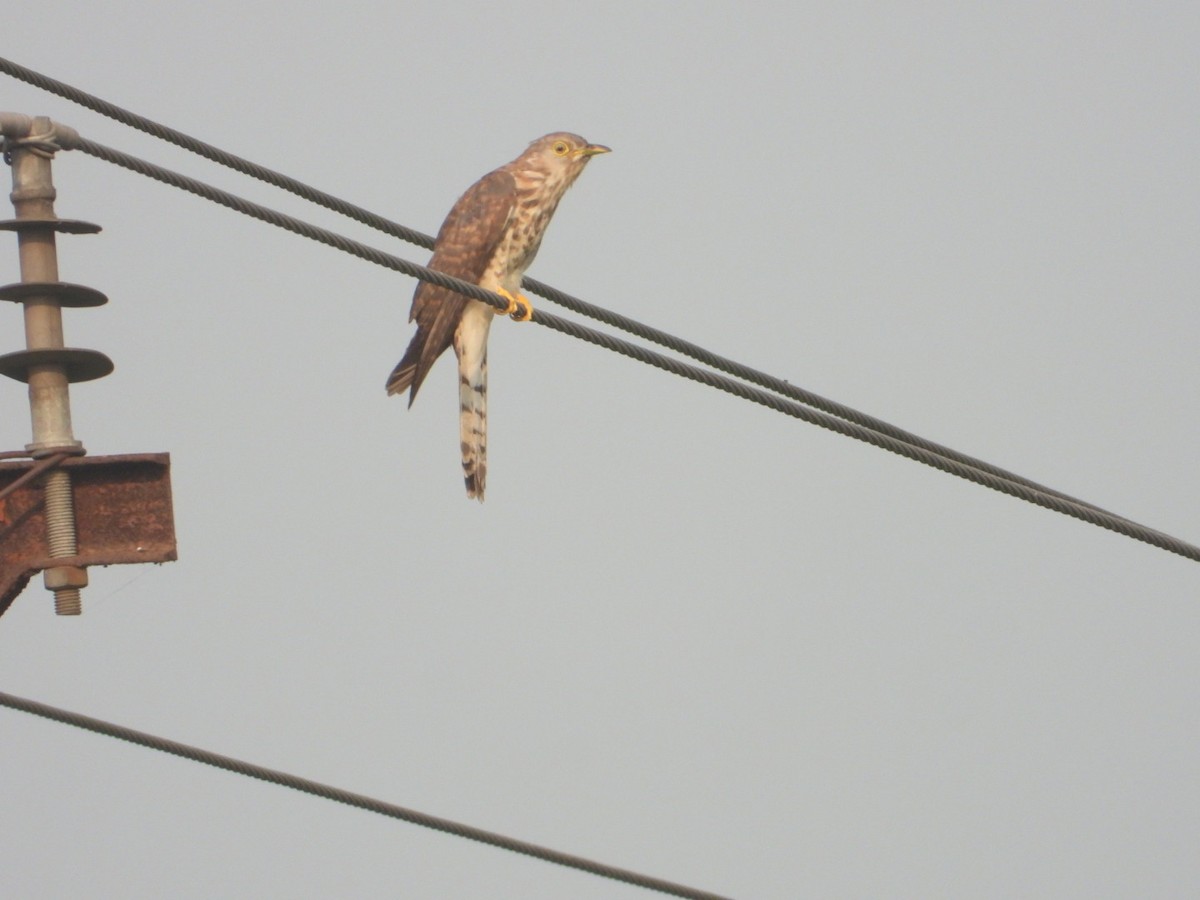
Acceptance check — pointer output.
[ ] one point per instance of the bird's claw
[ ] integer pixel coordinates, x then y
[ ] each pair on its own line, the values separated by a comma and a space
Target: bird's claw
518, 307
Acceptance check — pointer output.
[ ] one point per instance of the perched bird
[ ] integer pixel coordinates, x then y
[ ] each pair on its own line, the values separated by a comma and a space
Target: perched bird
489, 238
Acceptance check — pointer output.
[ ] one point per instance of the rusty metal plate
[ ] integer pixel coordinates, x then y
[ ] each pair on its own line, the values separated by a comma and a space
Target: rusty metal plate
123, 514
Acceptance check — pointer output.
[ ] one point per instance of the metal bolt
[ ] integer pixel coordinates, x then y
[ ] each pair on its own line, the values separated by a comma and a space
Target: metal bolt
60, 536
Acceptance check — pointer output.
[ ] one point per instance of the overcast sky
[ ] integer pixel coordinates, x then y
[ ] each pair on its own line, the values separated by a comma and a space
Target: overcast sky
684, 635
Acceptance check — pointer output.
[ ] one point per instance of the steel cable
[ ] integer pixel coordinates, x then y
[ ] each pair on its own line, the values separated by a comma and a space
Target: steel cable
37, 469
361, 801
216, 154
582, 307
1054, 501
1020, 488
835, 416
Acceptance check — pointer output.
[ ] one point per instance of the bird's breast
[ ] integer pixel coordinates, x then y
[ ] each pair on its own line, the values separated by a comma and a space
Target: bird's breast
521, 240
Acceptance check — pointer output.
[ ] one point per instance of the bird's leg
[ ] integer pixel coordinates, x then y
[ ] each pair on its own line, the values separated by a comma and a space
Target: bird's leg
518, 307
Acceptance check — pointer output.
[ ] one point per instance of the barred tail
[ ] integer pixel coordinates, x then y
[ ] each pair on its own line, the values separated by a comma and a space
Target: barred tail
470, 343
472, 424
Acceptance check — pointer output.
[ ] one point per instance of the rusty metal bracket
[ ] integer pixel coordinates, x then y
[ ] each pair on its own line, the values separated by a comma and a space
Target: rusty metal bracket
123, 513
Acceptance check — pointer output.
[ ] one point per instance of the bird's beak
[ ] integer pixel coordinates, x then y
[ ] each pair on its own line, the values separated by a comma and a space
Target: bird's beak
594, 150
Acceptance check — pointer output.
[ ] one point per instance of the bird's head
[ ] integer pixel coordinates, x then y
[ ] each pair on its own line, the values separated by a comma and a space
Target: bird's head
561, 154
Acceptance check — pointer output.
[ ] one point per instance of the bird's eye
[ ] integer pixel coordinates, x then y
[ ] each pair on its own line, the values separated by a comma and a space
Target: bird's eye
561, 148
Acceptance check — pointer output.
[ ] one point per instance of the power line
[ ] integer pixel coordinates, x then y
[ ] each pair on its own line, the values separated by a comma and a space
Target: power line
575, 304
216, 154
361, 801
779, 395
1021, 488
827, 413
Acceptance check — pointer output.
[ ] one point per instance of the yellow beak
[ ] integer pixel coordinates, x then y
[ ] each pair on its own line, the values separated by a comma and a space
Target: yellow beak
593, 150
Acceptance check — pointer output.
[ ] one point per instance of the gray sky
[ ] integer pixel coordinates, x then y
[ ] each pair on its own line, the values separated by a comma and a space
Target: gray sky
684, 635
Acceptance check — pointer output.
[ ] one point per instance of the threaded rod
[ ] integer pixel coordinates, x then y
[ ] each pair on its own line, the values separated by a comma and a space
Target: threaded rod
60, 534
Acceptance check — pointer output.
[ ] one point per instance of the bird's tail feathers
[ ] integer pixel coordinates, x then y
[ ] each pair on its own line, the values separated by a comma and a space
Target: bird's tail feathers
404, 375
472, 419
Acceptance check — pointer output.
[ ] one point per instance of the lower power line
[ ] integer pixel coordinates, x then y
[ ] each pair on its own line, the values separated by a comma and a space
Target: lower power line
361, 801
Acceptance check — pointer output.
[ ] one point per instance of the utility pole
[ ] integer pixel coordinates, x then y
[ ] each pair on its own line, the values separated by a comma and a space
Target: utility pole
49, 367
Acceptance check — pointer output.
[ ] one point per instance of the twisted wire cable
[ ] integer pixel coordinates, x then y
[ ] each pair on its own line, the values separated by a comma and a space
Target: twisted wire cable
574, 304
361, 801
1055, 501
1020, 488
34, 471
216, 154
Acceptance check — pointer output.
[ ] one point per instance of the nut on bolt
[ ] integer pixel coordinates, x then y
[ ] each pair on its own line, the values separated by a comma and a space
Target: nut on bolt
61, 577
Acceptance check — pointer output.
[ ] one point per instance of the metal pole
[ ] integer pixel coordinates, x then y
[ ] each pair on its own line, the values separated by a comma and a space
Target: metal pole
33, 197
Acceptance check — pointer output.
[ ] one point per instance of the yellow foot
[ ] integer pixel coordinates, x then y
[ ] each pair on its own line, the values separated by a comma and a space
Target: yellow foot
518, 307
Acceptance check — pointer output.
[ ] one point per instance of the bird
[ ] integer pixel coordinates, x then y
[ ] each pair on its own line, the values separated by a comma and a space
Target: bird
489, 238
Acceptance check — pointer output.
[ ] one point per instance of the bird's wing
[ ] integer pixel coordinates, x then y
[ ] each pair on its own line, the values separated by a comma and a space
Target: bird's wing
468, 238
464, 247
